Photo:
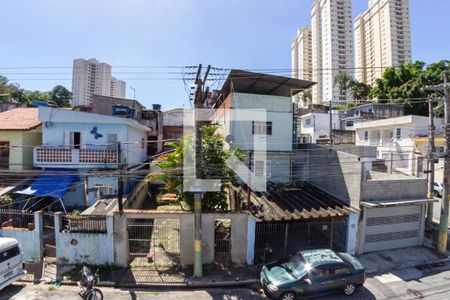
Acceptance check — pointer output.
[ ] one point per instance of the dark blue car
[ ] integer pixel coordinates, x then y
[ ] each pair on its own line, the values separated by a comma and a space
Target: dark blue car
312, 272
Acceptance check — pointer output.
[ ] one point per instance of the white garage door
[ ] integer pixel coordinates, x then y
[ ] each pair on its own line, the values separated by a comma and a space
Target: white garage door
392, 227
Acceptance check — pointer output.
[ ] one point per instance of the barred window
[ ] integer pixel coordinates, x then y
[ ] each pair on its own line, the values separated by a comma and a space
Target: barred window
263, 128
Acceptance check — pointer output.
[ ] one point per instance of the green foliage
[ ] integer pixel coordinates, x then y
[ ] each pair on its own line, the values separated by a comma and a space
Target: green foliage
213, 166
6, 199
9, 92
404, 83
343, 80
307, 97
359, 90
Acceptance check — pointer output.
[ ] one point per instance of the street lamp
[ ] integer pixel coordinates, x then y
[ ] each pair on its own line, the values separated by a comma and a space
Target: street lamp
134, 92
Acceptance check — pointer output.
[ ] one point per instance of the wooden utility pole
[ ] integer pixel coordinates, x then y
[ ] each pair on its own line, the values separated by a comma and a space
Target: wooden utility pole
198, 104
443, 222
430, 157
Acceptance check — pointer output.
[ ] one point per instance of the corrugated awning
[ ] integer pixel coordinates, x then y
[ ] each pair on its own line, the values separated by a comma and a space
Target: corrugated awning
307, 202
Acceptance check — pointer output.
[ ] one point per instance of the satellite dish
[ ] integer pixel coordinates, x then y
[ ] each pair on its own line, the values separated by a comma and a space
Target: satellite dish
229, 139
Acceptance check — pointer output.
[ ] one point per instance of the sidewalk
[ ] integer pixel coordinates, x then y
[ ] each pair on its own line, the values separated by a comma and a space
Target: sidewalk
389, 260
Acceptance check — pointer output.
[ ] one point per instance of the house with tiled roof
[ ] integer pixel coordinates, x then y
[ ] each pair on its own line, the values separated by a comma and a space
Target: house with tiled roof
20, 132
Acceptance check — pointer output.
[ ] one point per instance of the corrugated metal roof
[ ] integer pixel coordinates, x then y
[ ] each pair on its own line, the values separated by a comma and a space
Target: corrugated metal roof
296, 204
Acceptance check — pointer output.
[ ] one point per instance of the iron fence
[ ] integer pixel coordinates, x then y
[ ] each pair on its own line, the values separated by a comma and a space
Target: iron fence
84, 224
277, 240
16, 219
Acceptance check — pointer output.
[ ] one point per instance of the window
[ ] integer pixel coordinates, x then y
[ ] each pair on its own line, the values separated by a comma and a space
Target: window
10, 253
318, 273
4, 154
103, 190
112, 139
366, 135
307, 121
263, 128
73, 139
349, 124
338, 270
398, 133
258, 168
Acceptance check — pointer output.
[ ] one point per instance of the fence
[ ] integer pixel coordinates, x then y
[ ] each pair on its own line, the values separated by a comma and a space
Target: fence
16, 219
84, 224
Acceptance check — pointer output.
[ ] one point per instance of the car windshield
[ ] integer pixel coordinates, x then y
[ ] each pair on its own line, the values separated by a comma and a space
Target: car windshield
297, 267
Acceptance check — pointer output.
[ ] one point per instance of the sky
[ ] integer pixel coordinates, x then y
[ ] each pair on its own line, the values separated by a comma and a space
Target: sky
157, 37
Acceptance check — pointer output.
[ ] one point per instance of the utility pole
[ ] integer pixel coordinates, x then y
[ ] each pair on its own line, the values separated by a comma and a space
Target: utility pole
198, 104
120, 181
331, 125
443, 222
430, 157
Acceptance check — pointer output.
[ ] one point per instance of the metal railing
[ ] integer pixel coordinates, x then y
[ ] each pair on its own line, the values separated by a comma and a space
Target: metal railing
84, 224
16, 219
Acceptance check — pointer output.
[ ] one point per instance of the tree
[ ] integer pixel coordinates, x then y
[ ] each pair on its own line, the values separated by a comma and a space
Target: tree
343, 80
213, 165
405, 84
359, 90
61, 96
306, 97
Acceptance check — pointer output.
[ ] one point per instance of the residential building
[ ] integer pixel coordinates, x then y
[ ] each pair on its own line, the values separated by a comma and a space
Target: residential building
332, 47
315, 127
301, 52
173, 124
118, 88
399, 141
382, 38
91, 77
20, 131
81, 146
270, 95
368, 112
391, 206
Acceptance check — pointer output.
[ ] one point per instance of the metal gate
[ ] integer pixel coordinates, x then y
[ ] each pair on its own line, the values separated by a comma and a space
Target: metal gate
49, 234
154, 242
222, 241
275, 240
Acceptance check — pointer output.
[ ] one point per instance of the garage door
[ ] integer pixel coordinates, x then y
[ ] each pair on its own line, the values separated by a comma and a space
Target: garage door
392, 227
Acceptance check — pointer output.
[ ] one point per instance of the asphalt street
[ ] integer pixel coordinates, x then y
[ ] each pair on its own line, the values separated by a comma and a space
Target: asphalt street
433, 283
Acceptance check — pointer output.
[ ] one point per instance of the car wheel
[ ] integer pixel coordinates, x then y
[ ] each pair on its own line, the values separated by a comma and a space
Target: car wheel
349, 289
288, 296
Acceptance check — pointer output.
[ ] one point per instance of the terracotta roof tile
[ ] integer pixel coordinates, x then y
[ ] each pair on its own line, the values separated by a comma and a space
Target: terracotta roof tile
24, 118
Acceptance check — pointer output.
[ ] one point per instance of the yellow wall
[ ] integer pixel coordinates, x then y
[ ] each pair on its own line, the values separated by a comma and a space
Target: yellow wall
21, 147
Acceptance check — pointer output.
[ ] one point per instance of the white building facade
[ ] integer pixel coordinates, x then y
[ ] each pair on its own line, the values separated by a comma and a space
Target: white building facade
301, 51
314, 126
332, 47
118, 88
91, 77
382, 38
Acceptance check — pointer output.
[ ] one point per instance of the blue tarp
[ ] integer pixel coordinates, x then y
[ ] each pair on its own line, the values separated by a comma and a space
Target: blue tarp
52, 183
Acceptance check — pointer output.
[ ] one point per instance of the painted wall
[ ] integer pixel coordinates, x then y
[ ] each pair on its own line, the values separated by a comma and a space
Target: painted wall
21, 147
30, 240
84, 248
103, 180
318, 124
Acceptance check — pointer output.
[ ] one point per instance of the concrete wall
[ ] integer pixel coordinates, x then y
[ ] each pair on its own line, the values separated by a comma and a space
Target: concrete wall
84, 248
382, 189
239, 231
30, 240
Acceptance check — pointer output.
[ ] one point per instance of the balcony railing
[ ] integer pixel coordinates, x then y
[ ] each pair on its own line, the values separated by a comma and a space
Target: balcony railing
50, 156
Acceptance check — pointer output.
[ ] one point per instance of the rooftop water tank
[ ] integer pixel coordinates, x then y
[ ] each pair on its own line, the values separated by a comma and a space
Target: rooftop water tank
156, 106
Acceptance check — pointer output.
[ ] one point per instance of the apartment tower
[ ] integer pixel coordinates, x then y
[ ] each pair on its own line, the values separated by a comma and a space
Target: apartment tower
118, 88
91, 77
332, 47
301, 57
382, 38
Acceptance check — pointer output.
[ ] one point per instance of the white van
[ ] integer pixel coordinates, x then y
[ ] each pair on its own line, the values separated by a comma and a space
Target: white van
11, 263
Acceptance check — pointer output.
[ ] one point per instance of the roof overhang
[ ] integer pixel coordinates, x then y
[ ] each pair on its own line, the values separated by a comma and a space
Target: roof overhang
393, 203
241, 81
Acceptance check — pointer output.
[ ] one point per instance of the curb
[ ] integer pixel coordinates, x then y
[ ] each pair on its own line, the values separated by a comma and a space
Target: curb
371, 272
198, 284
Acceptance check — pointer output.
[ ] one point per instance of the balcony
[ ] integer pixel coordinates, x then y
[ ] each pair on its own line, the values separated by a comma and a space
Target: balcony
66, 157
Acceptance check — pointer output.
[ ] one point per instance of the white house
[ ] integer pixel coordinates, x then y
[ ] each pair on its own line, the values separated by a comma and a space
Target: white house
400, 140
316, 125
84, 151
247, 95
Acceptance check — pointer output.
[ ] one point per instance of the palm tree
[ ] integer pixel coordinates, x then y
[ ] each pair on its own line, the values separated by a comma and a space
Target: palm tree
343, 80
307, 97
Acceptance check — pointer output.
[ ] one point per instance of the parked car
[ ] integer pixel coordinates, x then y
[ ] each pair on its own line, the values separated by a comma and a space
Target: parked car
11, 262
438, 188
312, 272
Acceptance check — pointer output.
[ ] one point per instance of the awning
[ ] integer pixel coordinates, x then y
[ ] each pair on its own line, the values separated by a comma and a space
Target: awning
391, 203
54, 183
307, 202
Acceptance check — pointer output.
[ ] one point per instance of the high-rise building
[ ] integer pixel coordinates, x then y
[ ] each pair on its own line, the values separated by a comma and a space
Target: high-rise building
332, 47
301, 57
382, 38
118, 88
91, 77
